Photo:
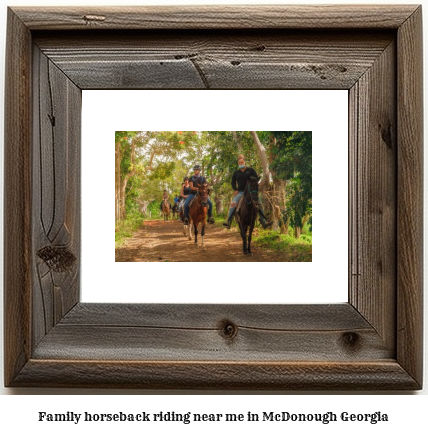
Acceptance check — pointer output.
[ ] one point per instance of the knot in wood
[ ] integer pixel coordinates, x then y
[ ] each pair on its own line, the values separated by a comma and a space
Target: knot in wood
386, 134
228, 330
58, 259
351, 340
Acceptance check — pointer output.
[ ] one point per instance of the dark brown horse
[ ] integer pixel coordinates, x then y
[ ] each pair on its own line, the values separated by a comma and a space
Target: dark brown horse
174, 210
247, 213
198, 214
165, 209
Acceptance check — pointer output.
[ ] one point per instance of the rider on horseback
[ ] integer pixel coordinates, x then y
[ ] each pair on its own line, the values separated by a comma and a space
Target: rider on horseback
165, 196
239, 181
184, 193
195, 182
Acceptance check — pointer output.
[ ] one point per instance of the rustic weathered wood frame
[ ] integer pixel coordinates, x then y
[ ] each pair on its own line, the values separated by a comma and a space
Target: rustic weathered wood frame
372, 342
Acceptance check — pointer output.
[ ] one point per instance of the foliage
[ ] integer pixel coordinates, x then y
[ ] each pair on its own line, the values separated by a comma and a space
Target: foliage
292, 161
126, 228
153, 161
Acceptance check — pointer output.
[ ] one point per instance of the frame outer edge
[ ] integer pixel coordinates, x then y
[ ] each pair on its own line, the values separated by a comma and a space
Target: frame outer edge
410, 197
386, 375
216, 16
17, 278
17, 215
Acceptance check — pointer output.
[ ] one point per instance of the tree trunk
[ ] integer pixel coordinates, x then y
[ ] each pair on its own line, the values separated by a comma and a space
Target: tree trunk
276, 218
120, 184
118, 159
263, 159
152, 155
284, 228
122, 199
264, 186
297, 231
218, 204
271, 193
305, 219
238, 141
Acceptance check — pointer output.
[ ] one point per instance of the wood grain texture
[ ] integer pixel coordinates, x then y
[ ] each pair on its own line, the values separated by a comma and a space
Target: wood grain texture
216, 59
209, 316
373, 178
410, 196
17, 199
217, 17
56, 194
387, 375
372, 342
198, 332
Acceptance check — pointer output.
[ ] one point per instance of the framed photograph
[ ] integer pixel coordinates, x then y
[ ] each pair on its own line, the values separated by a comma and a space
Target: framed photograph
54, 339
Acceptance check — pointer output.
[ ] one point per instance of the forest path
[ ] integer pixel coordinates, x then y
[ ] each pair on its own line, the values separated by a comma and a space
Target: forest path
157, 241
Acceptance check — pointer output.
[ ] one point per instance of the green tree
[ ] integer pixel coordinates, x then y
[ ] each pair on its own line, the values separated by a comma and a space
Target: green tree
292, 162
125, 167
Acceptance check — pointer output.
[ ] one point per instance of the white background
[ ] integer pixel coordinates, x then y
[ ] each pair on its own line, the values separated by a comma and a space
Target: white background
325, 113
20, 412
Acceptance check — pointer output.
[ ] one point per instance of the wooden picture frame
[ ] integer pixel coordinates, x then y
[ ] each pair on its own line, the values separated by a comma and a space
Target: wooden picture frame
372, 342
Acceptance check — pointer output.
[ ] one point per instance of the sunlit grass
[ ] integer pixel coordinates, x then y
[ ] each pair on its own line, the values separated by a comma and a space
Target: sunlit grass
126, 228
297, 249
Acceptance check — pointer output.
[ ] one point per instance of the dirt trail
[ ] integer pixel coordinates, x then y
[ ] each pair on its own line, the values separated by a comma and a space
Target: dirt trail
157, 241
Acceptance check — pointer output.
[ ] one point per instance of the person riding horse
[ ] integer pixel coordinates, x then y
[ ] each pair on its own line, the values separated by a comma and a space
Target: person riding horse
195, 182
239, 181
184, 193
165, 196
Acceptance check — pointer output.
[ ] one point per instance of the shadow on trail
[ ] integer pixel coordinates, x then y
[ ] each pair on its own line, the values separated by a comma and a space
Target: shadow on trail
157, 241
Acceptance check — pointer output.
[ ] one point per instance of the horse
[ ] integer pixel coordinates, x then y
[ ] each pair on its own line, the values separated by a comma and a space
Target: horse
165, 209
198, 214
174, 210
247, 214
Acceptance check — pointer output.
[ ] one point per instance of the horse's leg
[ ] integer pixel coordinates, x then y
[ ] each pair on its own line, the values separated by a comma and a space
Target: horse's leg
245, 240
203, 234
249, 237
195, 227
189, 229
243, 229
182, 220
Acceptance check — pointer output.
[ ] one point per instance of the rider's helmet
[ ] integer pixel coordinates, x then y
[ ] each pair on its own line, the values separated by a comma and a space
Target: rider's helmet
197, 167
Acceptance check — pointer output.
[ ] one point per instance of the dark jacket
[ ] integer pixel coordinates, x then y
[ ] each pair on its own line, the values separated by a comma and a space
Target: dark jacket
240, 178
